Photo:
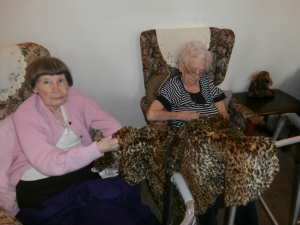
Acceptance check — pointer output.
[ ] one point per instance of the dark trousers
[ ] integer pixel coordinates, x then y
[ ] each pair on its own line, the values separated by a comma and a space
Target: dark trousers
245, 215
31, 194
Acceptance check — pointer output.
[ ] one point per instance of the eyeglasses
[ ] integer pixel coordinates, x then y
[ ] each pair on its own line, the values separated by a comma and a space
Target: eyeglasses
193, 73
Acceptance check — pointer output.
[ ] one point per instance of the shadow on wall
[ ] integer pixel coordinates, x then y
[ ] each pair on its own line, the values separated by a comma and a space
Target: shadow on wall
291, 84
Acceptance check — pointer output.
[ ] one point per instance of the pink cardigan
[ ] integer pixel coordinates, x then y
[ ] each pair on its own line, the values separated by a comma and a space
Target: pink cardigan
38, 132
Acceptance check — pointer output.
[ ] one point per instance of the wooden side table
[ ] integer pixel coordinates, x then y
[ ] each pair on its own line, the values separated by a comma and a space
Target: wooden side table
264, 106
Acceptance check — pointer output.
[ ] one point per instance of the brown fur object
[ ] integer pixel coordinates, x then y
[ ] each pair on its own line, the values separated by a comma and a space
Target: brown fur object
260, 84
212, 155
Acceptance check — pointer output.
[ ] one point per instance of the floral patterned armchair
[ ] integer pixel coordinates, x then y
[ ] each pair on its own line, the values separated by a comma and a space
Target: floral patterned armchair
160, 49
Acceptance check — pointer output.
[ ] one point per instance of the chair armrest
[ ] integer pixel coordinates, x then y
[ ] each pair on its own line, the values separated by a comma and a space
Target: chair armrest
145, 108
252, 122
7, 219
244, 118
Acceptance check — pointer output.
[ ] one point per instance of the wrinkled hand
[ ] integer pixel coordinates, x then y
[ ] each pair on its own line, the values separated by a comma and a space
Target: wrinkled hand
107, 144
187, 116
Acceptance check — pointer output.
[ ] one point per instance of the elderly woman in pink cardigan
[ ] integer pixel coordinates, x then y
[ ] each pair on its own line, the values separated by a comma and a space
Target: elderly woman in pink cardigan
54, 152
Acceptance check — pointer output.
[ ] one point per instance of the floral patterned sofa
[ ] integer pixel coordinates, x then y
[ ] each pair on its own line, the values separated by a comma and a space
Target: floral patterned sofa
159, 63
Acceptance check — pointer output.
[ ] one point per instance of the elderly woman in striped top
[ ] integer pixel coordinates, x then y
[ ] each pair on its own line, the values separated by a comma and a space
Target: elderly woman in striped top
190, 95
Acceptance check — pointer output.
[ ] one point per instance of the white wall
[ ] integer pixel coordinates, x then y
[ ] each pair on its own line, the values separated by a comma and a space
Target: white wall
99, 41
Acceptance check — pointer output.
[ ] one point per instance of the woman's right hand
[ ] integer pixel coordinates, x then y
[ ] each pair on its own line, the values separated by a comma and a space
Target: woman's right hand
107, 144
187, 116
157, 112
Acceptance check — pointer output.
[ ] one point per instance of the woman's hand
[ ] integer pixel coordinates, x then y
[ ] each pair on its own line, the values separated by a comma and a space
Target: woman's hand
107, 144
187, 116
157, 112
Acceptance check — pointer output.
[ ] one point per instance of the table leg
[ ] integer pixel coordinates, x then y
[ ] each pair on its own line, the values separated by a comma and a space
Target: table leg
252, 122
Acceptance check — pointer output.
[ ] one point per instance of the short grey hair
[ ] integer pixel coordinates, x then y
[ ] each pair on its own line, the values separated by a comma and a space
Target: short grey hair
196, 49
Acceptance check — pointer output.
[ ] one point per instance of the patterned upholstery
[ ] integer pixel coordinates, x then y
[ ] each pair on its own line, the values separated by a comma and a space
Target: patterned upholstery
221, 45
30, 51
7, 219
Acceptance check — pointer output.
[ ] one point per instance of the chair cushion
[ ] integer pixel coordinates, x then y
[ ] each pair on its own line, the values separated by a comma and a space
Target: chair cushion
154, 85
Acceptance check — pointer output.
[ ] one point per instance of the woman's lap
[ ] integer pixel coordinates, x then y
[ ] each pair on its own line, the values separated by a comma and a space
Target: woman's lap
31, 194
108, 201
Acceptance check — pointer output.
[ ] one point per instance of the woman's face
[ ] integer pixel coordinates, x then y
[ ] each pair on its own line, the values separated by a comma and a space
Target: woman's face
192, 72
53, 90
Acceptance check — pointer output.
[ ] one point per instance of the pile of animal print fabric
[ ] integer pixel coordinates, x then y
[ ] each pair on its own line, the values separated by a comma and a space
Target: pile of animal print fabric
212, 155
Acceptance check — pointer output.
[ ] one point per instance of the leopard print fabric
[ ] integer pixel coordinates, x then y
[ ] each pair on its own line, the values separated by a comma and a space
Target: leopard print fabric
212, 155
148, 148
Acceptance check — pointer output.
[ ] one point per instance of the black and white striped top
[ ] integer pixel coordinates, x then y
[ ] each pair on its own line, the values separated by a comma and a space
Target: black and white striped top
175, 98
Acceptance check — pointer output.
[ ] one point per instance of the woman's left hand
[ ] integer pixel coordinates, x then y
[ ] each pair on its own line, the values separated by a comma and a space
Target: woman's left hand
107, 144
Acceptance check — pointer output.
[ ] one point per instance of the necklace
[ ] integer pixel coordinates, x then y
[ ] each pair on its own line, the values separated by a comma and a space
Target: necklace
64, 125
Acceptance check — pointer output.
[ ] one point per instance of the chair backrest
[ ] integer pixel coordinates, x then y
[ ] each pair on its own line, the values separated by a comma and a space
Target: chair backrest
160, 49
13, 62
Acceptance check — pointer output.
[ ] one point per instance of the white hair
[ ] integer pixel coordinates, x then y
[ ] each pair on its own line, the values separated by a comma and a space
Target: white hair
196, 49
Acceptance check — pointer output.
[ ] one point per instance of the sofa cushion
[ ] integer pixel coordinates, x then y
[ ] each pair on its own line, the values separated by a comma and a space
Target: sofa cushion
154, 85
